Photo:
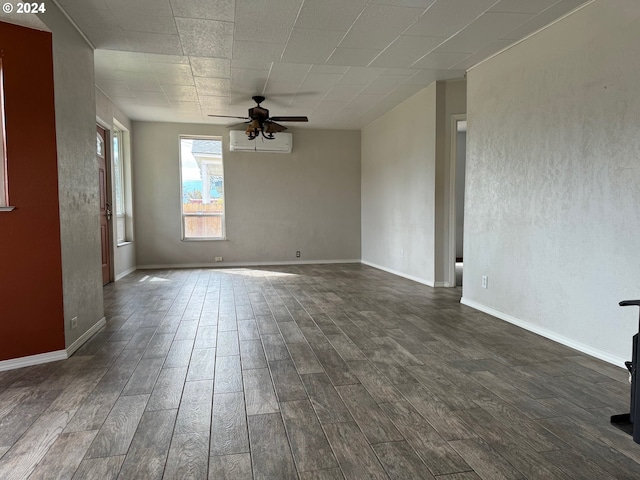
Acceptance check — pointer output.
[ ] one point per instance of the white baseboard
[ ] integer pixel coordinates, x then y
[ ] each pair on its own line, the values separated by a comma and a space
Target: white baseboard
400, 274
31, 360
71, 349
244, 264
551, 335
125, 273
442, 285
54, 356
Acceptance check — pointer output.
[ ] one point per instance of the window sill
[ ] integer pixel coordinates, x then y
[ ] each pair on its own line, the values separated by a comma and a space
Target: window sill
204, 239
123, 244
6, 209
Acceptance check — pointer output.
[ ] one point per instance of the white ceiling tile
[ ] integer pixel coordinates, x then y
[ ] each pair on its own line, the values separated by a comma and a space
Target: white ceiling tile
363, 102
288, 72
406, 3
328, 108
522, 6
218, 87
483, 31
152, 98
140, 7
307, 102
160, 58
549, 15
328, 69
89, 19
296, 112
443, 60
97, 4
205, 38
146, 22
173, 74
214, 105
360, 75
320, 82
423, 77
206, 9
109, 39
352, 56
311, 46
480, 55
258, 54
378, 26
210, 67
343, 93
322, 14
279, 89
400, 71
248, 82
405, 50
116, 88
384, 84
180, 93
265, 21
141, 81
186, 107
153, 43
112, 60
446, 17
247, 65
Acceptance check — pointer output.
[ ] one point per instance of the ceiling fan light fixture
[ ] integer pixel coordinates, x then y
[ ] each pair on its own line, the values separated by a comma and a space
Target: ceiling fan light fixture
260, 123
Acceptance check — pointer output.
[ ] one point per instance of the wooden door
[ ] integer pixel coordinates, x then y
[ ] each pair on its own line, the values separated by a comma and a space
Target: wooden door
105, 207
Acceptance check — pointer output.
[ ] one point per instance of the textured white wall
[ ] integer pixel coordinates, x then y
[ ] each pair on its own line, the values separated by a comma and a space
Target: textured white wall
553, 180
398, 188
77, 174
308, 200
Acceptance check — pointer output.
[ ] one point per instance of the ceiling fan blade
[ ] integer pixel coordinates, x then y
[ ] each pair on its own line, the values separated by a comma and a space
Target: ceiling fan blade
229, 116
290, 119
273, 127
236, 125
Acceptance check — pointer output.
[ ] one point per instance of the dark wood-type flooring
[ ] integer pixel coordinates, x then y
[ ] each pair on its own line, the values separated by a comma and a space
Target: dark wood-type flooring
313, 372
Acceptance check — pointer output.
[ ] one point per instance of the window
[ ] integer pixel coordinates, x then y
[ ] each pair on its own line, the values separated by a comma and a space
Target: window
121, 184
4, 181
202, 192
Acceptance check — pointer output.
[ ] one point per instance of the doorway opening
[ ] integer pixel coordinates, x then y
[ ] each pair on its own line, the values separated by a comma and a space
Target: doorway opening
458, 165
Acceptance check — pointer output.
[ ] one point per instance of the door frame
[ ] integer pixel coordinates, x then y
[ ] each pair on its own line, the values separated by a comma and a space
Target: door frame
452, 196
109, 193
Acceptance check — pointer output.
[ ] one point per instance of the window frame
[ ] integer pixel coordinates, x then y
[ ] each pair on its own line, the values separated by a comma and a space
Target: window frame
124, 156
223, 215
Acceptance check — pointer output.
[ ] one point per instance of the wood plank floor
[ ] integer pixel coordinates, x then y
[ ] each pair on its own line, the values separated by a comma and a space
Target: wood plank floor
310, 372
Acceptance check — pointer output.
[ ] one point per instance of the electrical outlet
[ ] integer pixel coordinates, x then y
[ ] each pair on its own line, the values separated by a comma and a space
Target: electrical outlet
297, 253
485, 281
218, 259
74, 322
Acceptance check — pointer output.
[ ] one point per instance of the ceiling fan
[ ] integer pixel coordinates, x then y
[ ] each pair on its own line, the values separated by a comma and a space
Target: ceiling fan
260, 123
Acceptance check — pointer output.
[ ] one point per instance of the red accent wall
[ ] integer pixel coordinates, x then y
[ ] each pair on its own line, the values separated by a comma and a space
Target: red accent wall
31, 305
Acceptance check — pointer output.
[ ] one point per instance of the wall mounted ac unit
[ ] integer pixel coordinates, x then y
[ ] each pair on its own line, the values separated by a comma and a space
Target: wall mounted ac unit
239, 142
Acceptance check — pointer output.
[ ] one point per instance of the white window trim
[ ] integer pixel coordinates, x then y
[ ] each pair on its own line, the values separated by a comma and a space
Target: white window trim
125, 153
224, 204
